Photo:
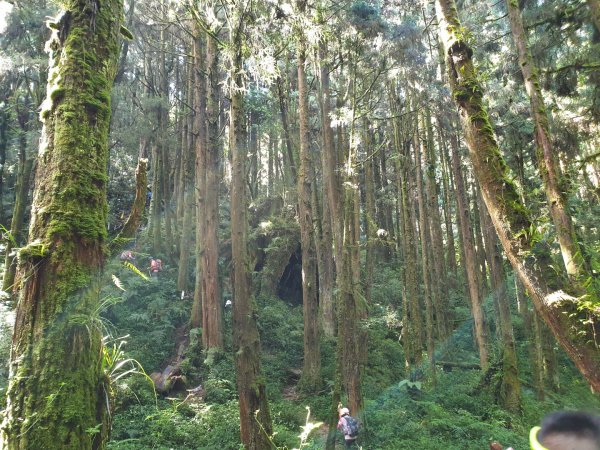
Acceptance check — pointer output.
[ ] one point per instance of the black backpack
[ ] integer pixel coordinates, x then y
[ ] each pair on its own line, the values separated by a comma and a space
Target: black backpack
351, 426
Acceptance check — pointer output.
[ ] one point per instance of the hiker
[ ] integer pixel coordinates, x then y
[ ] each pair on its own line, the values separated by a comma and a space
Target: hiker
155, 267
349, 426
127, 256
567, 430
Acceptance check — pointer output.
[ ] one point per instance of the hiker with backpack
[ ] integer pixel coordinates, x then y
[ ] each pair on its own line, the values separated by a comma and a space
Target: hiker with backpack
348, 426
155, 267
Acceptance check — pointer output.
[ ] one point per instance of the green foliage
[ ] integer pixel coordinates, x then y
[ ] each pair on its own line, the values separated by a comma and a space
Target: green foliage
150, 312
197, 426
281, 333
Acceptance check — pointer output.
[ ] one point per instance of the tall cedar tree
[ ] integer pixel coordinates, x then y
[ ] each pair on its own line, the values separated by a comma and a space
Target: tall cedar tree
59, 389
311, 373
255, 419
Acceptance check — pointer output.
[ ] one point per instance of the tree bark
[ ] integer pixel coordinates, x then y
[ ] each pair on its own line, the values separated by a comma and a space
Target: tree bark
332, 235
439, 279
286, 129
448, 195
311, 372
349, 306
424, 240
510, 390
546, 157
185, 193
470, 258
573, 327
411, 317
255, 419
16, 224
58, 389
212, 323
4, 121
139, 204
200, 142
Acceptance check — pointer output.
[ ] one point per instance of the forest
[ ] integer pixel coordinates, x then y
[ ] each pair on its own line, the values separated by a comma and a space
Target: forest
225, 220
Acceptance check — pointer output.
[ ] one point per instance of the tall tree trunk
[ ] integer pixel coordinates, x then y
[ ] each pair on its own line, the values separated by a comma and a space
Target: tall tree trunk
200, 143
387, 208
254, 154
424, 236
184, 193
574, 328
286, 130
510, 392
531, 326
331, 223
411, 316
370, 213
184, 158
58, 390
4, 119
439, 279
479, 248
551, 368
212, 323
470, 257
311, 372
546, 157
448, 195
255, 427
155, 228
270, 165
16, 224
349, 307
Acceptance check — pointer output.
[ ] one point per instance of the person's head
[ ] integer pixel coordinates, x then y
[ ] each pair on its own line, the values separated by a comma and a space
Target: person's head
567, 431
344, 412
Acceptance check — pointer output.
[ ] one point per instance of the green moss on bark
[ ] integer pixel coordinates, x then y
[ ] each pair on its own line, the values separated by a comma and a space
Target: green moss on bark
57, 394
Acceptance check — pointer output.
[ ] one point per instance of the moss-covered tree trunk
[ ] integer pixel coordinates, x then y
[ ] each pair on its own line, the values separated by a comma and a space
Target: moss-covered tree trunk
546, 154
255, 419
212, 326
572, 323
58, 392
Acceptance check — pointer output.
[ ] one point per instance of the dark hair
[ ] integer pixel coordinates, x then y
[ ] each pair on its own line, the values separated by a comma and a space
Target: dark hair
576, 423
